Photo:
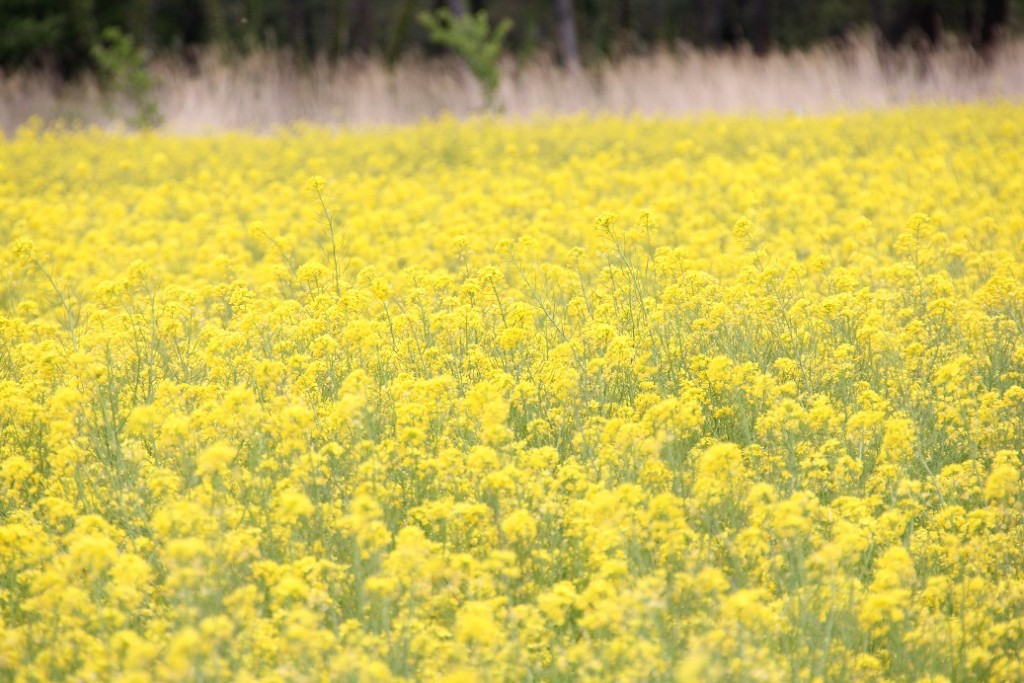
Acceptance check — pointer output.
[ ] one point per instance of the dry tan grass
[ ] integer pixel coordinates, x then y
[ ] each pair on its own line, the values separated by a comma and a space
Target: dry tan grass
267, 89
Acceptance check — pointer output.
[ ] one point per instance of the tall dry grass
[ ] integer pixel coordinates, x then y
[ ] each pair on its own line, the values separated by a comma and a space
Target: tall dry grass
267, 89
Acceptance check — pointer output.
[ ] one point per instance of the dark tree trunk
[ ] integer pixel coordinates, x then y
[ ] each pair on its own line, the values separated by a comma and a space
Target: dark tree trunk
400, 31
567, 42
140, 19
216, 21
711, 20
458, 7
914, 16
298, 35
715, 22
361, 26
761, 26
994, 16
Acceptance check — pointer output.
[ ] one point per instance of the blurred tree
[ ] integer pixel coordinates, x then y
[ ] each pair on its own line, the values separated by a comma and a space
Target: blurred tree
84, 32
361, 28
400, 33
457, 7
61, 32
33, 32
995, 14
568, 47
140, 17
760, 33
475, 39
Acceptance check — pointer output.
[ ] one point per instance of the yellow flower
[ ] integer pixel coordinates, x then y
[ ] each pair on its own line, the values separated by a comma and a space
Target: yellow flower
1003, 483
315, 184
465, 438
292, 505
215, 459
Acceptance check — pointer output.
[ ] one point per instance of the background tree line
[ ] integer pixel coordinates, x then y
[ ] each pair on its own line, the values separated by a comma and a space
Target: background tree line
62, 33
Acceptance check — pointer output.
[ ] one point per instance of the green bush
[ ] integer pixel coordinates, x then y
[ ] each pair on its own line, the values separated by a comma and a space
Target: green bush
474, 39
121, 66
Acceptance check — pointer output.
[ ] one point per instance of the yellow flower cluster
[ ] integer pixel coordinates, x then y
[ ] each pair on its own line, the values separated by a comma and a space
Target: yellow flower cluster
580, 399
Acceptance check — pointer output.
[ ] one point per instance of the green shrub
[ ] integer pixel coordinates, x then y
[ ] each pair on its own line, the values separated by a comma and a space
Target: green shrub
121, 66
474, 39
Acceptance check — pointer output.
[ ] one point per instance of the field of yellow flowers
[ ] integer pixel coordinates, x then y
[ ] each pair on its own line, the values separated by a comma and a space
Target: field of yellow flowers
577, 399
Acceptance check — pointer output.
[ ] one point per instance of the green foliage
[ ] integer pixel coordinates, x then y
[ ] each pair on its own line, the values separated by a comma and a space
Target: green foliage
51, 33
22, 37
60, 33
474, 39
121, 65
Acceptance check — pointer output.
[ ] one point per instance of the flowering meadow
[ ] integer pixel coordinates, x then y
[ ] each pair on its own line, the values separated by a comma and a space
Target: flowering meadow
586, 399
